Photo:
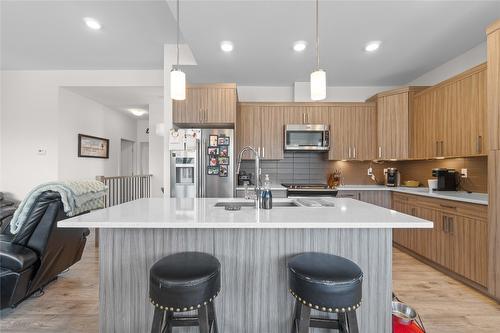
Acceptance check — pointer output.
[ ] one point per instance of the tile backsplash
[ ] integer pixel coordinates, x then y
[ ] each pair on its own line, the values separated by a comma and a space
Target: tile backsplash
302, 167
296, 167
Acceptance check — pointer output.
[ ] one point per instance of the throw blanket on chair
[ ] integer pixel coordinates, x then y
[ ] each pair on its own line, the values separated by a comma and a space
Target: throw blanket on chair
77, 197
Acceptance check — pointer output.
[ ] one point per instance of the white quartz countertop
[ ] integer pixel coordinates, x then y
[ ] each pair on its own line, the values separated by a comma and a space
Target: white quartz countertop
475, 198
202, 213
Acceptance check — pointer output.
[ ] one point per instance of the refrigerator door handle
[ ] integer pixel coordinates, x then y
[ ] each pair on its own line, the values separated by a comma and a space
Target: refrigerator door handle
202, 167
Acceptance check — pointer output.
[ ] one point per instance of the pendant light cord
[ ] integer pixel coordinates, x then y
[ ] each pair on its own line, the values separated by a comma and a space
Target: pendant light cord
178, 28
317, 35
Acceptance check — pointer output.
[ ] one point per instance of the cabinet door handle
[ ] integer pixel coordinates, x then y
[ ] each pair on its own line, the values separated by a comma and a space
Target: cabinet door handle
445, 224
379, 151
437, 148
451, 225
479, 144
354, 152
349, 152
447, 206
258, 151
263, 151
442, 148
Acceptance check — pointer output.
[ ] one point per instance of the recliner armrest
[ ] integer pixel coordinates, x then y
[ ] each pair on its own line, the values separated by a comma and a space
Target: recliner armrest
16, 257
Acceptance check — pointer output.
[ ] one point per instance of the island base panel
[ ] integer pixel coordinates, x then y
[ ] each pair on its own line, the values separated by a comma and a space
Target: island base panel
254, 296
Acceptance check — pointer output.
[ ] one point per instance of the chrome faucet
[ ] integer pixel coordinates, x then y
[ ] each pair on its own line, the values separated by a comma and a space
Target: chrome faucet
257, 170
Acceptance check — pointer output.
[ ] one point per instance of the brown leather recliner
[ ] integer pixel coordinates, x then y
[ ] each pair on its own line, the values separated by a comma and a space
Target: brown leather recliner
39, 252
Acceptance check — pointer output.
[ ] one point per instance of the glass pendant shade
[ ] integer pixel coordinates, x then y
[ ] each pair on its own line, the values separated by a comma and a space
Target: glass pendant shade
318, 85
177, 85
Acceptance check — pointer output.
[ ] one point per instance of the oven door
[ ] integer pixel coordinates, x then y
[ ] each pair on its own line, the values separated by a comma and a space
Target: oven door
307, 137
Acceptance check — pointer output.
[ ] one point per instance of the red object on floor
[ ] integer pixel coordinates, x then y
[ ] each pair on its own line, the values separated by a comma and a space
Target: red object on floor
399, 327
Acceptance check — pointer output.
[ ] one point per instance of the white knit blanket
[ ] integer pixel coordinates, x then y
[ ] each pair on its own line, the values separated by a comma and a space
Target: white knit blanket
77, 197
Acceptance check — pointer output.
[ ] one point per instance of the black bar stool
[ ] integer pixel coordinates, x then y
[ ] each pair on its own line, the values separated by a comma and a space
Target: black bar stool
326, 283
183, 282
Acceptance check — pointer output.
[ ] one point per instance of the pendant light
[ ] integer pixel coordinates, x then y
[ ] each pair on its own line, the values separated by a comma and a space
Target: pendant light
318, 77
177, 77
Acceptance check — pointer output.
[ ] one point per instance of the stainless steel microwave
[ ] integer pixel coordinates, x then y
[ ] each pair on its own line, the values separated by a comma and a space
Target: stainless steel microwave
307, 137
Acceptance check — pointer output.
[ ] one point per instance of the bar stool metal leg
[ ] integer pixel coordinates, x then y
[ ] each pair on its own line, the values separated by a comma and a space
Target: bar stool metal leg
296, 316
352, 322
168, 322
212, 318
203, 319
157, 321
305, 316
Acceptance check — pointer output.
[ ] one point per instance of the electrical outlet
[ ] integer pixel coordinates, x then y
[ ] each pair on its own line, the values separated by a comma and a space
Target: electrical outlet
370, 171
463, 173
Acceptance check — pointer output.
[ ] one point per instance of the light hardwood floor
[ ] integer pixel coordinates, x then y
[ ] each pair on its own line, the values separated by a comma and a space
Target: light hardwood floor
71, 303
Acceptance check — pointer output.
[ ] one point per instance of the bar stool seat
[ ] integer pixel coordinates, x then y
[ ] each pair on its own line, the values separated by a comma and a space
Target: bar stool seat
326, 283
183, 282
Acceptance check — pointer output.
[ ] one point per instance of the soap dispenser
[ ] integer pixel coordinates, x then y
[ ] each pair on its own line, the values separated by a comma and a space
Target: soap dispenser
266, 195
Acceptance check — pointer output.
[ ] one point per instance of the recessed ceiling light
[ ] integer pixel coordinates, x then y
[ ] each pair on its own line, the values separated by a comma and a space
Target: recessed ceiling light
373, 46
92, 23
226, 46
137, 112
299, 46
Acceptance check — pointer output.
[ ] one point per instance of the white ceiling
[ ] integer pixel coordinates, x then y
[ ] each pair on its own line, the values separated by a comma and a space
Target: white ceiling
122, 98
52, 34
417, 37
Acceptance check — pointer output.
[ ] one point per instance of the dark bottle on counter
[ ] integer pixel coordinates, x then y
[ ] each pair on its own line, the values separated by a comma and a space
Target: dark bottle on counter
266, 195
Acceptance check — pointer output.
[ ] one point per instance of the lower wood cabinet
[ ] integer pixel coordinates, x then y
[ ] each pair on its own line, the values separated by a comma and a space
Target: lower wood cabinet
458, 241
379, 197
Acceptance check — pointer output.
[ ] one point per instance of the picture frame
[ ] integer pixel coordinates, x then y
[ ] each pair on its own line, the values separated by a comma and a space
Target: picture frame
213, 170
213, 161
222, 160
92, 146
213, 151
223, 141
223, 151
223, 171
213, 141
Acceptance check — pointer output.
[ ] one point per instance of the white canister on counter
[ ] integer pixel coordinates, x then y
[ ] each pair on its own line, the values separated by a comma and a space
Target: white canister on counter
433, 184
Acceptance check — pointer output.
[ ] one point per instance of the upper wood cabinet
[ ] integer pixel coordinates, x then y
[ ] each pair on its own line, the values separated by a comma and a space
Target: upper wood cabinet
493, 78
352, 131
260, 126
206, 105
302, 113
394, 111
449, 119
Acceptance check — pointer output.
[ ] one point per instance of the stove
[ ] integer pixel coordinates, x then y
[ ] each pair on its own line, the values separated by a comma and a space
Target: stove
310, 190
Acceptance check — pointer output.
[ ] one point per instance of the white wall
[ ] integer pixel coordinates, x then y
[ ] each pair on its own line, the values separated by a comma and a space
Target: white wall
302, 93
265, 94
156, 151
80, 115
469, 59
30, 119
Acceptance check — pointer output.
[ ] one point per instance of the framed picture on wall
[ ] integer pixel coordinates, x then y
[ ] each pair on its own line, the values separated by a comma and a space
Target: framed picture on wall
92, 146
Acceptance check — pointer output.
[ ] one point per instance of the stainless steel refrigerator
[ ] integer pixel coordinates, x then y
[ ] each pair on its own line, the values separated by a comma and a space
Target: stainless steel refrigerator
202, 164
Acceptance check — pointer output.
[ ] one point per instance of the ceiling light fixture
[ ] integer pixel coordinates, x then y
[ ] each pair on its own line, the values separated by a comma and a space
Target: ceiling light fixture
138, 112
299, 46
226, 46
177, 77
92, 23
318, 77
373, 46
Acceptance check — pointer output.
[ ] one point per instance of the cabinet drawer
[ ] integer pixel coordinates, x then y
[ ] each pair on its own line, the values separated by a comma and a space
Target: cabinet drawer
446, 206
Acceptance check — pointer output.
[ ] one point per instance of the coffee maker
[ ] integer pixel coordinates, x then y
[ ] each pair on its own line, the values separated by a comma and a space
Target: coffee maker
392, 177
447, 179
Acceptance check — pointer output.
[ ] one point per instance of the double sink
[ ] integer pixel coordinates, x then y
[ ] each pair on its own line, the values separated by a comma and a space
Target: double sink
229, 204
303, 202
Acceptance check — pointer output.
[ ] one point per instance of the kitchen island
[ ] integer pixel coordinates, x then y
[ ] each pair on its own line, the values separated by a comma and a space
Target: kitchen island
253, 246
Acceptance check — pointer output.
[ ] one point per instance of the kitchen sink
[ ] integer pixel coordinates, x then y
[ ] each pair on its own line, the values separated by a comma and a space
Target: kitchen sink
235, 205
